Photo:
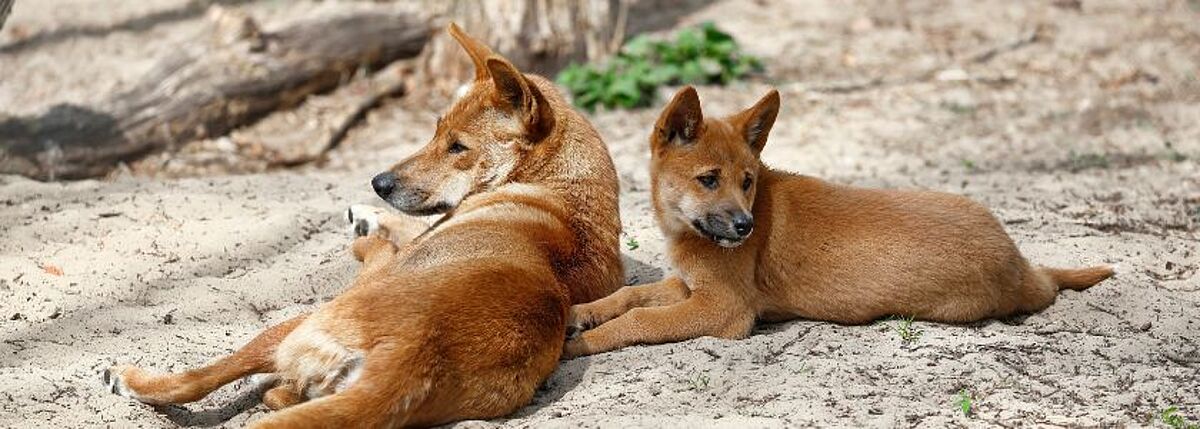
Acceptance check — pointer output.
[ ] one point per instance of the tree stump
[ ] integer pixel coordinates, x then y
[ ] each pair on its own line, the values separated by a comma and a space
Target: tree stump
540, 36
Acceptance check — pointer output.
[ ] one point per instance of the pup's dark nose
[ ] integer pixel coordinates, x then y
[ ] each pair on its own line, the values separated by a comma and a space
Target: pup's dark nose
743, 223
384, 183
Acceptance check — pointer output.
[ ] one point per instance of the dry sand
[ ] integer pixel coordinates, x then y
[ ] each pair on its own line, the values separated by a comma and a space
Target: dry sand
1064, 137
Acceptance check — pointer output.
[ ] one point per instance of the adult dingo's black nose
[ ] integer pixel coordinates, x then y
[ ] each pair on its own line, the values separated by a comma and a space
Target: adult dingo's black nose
743, 223
384, 183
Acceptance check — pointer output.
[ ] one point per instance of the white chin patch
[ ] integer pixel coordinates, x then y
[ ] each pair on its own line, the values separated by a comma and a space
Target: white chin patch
453, 191
727, 243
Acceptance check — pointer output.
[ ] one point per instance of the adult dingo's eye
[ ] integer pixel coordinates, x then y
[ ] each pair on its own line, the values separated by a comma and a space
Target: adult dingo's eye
708, 181
747, 182
456, 147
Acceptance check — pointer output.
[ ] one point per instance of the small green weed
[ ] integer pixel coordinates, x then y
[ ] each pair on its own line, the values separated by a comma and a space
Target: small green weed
699, 382
1173, 154
698, 55
1084, 161
958, 108
1174, 420
632, 244
969, 165
964, 402
908, 333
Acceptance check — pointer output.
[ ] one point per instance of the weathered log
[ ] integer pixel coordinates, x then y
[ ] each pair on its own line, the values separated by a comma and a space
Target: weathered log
204, 91
5, 8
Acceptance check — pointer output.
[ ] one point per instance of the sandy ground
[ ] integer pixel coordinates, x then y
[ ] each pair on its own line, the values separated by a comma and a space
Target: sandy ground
1083, 139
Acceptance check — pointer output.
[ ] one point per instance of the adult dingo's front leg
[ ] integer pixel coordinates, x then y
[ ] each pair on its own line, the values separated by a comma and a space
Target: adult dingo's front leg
398, 228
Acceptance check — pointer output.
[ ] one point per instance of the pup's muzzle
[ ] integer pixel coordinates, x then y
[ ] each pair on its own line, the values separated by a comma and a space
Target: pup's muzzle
729, 230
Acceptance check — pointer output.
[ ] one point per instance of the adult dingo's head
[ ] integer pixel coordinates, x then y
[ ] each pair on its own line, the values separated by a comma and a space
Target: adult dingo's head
479, 143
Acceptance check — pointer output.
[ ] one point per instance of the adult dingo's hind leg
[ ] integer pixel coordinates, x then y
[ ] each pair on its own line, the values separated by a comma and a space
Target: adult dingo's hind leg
255, 357
389, 392
351, 408
283, 395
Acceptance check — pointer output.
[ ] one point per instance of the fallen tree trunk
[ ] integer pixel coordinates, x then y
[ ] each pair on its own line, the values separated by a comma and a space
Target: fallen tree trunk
5, 8
206, 91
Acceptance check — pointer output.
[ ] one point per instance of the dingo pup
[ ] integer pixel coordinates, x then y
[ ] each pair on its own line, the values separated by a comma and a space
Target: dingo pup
460, 320
818, 250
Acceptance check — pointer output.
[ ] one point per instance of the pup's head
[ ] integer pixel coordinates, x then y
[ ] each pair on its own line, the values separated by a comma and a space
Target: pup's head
479, 143
704, 172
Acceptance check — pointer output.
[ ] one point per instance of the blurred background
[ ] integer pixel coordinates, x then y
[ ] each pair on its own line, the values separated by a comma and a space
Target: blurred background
167, 88
163, 160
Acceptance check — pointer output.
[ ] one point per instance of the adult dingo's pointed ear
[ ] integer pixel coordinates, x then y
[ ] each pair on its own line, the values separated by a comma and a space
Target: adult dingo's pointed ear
519, 96
755, 123
680, 121
478, 52
512, 90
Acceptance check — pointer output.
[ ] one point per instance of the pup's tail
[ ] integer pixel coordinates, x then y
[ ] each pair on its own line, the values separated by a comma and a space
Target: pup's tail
1078, 278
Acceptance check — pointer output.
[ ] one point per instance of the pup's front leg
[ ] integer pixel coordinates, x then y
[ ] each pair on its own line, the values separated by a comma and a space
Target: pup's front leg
664, 292
704, 313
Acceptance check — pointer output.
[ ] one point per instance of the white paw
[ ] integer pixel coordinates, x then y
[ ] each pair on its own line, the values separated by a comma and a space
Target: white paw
115, 384
364, 219
263, 381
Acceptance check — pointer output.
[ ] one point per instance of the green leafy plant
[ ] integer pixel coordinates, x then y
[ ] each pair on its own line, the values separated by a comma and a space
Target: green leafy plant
964, 402
697, 55
632, 244
907, 332
1174, 420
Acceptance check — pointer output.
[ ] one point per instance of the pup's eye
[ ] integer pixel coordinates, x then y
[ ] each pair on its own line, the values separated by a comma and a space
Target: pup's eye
456, 147
708, 181
747, 182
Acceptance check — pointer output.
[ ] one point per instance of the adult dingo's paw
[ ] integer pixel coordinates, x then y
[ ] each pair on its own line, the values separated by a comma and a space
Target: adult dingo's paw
364, 219
114, 381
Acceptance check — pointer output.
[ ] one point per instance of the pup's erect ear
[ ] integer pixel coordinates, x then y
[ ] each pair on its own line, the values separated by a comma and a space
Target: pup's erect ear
755, 123
478, 52
680, 121
517, 95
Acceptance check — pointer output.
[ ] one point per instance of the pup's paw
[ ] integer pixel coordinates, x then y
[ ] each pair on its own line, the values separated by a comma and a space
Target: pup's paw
364, 219
574, 348
579, 319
